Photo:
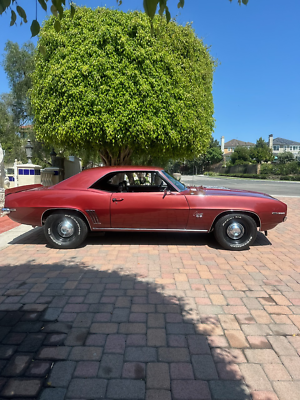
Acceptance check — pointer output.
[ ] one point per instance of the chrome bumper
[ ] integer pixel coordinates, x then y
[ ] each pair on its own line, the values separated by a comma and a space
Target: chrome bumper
6, 211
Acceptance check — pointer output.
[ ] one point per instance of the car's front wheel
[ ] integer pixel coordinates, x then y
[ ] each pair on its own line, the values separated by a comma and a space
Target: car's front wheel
65, 230
235, 231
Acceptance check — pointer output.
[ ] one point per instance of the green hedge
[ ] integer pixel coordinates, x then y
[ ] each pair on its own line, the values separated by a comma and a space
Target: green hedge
261, 176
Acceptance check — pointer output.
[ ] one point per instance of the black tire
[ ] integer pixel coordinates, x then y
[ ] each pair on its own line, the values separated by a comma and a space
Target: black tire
65, 230
235, 231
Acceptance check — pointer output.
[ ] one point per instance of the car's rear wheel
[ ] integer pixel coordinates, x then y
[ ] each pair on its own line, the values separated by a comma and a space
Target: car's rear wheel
235, 231
65, 230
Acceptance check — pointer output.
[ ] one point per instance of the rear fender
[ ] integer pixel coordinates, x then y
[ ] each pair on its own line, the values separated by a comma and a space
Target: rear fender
50, 211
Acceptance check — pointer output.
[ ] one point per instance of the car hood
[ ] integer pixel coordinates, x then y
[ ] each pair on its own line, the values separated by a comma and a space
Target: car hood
222, 191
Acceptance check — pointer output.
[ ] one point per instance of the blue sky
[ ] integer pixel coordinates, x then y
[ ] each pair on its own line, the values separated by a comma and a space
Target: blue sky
257, 83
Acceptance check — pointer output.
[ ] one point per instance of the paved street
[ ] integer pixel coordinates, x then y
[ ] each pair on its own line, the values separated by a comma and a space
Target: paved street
152, 316
274, 188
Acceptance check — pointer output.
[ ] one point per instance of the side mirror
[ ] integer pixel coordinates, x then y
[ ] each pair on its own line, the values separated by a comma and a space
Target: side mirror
166, 191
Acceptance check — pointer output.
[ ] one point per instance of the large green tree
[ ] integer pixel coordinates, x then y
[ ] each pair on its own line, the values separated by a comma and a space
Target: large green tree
18, 64
9, 139
106, 82
57, 8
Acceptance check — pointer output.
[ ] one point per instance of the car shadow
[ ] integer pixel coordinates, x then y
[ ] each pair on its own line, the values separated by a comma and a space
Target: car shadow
36, 236
70, 330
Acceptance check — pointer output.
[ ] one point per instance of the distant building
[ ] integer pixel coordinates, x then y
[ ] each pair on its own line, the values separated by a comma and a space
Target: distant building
280, 145
232, 144
228, 147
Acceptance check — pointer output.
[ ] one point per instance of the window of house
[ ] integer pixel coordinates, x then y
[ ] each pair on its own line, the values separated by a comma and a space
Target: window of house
295, 147
229, 149
291, 148
276, 148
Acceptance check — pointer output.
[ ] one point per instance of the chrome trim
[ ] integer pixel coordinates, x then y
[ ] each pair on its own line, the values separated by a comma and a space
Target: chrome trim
149, 230
234, 211
278, 213
65, 209
235, 231
284, 219
65, 228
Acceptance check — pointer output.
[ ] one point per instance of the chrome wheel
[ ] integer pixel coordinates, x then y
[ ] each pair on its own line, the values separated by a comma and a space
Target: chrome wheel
235, 231
65, 228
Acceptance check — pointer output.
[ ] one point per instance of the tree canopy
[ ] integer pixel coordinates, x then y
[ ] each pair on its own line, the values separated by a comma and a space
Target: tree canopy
16, 114
18, 64
107, 83
261, 152
58, 6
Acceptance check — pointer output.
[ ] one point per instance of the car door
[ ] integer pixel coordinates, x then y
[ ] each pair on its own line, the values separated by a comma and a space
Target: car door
149, 206
145, 210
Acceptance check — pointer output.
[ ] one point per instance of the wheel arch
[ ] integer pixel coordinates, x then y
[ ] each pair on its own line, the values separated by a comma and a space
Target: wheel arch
73, 211
228, 212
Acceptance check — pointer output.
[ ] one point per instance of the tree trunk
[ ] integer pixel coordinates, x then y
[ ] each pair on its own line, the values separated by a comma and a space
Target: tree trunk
122, 157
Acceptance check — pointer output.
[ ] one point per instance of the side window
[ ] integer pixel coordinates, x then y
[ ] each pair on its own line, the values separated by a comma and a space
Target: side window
132, 181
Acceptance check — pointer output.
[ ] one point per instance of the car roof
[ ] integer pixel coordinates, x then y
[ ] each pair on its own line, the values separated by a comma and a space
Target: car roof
87, 177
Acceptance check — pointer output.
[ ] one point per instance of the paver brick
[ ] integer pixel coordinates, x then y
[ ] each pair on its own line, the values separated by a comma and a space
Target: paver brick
158, 376
292, 364
134, 370
22, 387
38, 368
229, 371
236, 339
287, 390
204, 367
17, 365
111, 366
173, 354
190, 390
53, 393
255, 377
115, 344
86, 353
181, 371
87, 388
281, 345
87, 369
229, 390
276, 372
99, 327
262, 356
154, 394
32, 342
264, 395
126, 389
141, 354
61, 374
156, 337
76, 337
53, 353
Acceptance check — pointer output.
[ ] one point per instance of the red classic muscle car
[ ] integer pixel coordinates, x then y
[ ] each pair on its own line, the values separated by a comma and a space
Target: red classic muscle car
141, 199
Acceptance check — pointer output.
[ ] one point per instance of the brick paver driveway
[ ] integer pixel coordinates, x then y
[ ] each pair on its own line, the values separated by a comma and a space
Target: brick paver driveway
152, 316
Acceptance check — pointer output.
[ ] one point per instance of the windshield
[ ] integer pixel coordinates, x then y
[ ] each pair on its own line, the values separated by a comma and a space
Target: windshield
175, 182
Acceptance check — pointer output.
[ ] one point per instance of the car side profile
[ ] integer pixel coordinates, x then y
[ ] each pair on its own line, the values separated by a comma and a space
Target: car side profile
130, 198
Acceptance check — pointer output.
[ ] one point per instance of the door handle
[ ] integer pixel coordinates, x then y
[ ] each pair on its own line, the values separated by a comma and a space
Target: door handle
114, 199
